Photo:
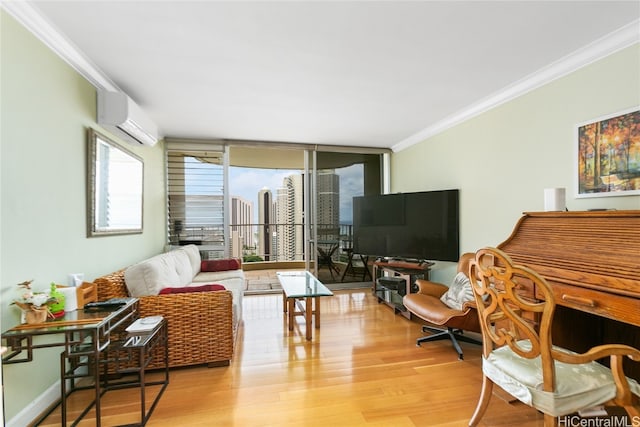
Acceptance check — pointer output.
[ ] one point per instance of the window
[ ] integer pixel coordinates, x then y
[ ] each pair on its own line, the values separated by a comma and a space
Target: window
196, 200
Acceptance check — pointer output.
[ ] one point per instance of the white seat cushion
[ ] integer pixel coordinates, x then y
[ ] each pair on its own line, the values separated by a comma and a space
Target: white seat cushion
233, 280
217, 276
577, 386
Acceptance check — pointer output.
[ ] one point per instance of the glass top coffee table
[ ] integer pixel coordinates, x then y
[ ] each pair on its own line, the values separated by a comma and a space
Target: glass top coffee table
298, 286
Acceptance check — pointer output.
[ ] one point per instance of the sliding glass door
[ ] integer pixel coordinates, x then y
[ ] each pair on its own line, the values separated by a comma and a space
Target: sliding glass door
266, 192
338, 177
284, 205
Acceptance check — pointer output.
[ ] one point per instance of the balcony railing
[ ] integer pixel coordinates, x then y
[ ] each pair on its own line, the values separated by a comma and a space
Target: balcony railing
266, 241
285, 242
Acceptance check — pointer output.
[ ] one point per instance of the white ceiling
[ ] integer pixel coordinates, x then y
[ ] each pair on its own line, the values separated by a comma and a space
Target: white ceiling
362, 73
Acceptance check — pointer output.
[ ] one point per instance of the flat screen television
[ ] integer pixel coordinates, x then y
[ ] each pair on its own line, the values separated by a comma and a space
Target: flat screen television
421, 226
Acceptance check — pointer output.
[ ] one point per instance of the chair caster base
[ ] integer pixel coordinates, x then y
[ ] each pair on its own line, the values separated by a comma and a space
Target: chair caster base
453, 334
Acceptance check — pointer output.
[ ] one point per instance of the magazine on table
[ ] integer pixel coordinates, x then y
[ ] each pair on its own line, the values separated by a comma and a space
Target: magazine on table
144, 325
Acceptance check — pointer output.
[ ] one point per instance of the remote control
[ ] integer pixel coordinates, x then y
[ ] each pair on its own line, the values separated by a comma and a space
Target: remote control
110, 303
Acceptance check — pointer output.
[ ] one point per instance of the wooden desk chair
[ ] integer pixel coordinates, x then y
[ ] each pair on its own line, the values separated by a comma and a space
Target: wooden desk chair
518, 354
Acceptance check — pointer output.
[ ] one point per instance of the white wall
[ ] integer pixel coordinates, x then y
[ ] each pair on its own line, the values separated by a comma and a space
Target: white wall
45, 110
502, 160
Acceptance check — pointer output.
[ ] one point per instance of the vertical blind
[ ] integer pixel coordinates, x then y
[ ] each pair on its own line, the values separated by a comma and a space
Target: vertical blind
196, 198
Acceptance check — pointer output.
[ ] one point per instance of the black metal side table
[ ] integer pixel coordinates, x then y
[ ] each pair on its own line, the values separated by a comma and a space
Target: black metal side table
132, 357
97, 350
83, 334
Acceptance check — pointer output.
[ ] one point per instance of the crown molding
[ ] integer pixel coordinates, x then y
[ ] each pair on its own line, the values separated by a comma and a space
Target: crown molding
605, 46
31, 18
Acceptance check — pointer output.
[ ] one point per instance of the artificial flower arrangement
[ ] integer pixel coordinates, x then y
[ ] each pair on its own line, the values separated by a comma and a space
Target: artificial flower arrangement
37, 306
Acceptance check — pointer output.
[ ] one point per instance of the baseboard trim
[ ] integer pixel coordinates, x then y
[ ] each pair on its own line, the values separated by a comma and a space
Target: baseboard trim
41, 404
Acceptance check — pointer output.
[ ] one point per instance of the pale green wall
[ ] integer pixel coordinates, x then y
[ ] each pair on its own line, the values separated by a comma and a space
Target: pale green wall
45, 109
503, 160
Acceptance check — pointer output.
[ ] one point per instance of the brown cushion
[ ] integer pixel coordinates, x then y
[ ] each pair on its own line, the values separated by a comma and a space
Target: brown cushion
430, 308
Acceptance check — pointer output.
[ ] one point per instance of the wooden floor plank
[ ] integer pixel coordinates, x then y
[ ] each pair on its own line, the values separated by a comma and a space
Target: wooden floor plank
362, 368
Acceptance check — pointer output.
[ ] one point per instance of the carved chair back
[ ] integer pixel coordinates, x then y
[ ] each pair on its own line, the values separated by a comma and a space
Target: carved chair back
509, 318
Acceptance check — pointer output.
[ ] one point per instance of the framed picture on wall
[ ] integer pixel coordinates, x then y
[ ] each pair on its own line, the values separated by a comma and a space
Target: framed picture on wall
608, 155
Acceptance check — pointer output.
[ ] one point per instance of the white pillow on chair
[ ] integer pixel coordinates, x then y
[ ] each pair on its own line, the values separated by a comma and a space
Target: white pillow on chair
578, 385
459, 292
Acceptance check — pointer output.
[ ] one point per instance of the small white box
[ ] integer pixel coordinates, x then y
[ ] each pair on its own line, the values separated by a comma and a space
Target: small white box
554, 199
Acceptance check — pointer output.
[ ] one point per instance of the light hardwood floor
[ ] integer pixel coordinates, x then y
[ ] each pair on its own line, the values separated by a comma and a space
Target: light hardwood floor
361, 369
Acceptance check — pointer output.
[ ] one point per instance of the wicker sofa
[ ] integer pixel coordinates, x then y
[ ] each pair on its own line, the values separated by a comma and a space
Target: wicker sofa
202, 325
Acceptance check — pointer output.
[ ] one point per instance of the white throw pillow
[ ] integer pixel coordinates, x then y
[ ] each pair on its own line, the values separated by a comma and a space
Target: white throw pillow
193, 253
459, 292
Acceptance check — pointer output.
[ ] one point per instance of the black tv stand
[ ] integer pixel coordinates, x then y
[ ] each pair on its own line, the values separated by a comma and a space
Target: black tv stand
403, 260
403, 275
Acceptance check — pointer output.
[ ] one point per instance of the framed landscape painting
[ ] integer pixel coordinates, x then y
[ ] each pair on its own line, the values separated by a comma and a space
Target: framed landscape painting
608, 155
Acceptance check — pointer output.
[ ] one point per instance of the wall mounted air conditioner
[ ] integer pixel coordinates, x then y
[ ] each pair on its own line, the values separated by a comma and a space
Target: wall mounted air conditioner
118, 114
